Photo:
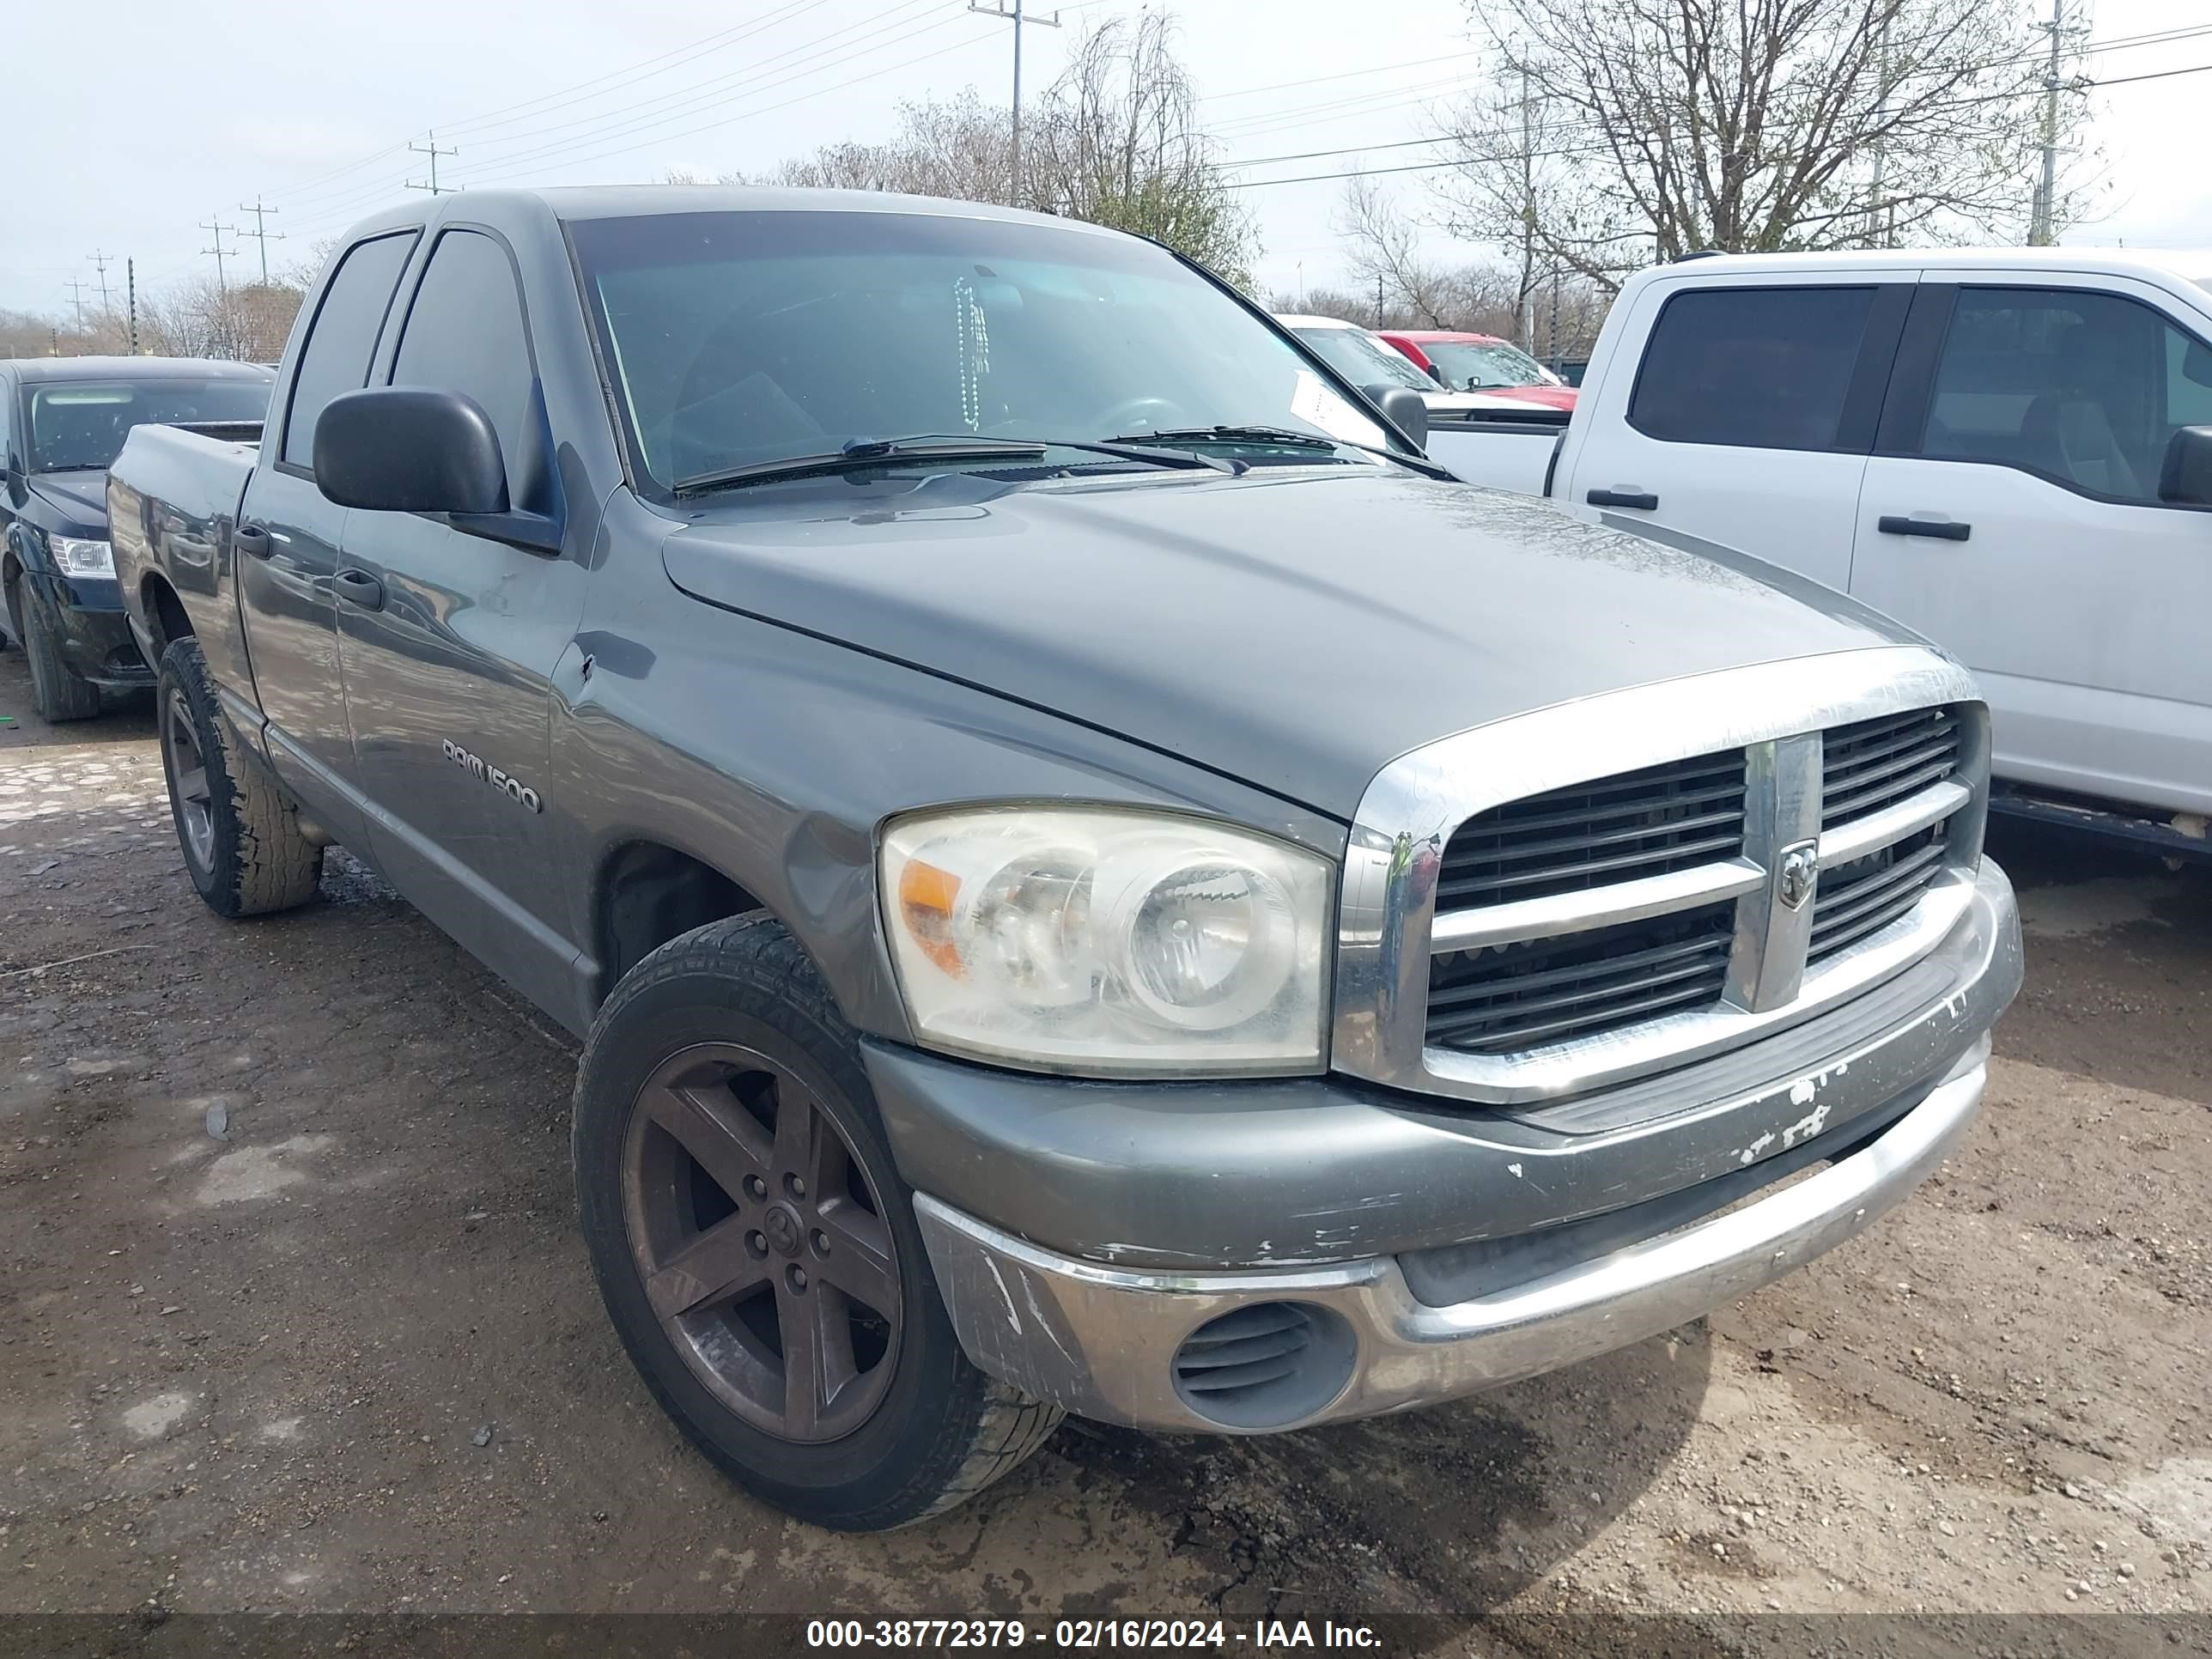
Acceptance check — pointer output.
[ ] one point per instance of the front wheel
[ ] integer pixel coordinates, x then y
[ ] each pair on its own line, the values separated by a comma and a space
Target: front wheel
758, 1251
58, 692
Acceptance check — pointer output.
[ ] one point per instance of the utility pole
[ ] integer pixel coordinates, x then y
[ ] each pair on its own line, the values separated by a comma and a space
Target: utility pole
1875, 206
431, 150
1010, 10
222, 283
261, 233
100, 263
2042, 229
131, 287
1526, 311
77, 299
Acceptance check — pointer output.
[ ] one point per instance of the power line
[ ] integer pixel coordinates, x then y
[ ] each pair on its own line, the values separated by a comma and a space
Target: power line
76, 297
746, 115
2082, 84
100, 263
765, 80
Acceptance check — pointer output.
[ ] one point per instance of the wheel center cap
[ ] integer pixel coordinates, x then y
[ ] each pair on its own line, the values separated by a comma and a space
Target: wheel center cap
783, 1230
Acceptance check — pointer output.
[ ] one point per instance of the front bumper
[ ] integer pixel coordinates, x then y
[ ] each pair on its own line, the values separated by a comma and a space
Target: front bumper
1081, 1240
1104, 1342
92, 631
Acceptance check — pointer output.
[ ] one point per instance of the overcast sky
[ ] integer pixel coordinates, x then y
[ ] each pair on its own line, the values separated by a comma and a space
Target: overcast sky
123, 143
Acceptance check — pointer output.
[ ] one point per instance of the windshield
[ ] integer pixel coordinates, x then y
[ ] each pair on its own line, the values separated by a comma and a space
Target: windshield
736, 339
69, 424
1471, 366
1363, 359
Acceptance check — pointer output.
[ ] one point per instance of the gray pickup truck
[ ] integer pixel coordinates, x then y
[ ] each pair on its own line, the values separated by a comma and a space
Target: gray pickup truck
1091, 879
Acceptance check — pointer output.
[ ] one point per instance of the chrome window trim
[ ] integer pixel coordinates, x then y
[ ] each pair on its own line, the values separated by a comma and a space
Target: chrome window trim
1388, 928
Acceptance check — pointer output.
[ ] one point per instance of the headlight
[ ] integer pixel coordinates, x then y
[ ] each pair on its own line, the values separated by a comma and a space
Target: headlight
1108, 941
75, 558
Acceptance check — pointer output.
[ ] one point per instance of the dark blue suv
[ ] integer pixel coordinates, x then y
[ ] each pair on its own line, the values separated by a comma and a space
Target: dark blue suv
63, 420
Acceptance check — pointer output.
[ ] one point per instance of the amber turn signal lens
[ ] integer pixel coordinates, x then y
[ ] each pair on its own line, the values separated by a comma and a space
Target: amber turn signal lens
926, 899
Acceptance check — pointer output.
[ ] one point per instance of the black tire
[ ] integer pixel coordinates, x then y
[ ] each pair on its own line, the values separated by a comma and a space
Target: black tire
239, 832
58, 692
940, 1430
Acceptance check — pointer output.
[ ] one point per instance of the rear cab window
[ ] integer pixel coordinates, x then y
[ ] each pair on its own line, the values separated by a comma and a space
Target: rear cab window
1758, 367
342, 340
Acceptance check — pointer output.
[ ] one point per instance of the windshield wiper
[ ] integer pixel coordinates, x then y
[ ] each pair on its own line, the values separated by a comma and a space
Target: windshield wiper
1285, 438
1230, 434
861, 453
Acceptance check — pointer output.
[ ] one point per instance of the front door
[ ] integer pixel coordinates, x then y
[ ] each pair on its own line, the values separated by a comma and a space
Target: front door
2016, 520
451, 641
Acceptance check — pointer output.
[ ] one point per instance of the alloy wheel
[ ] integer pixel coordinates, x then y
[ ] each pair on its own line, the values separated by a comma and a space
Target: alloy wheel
761, 1242
188, 779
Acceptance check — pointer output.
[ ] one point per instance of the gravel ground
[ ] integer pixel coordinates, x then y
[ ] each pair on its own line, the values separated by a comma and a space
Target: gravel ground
292, 1317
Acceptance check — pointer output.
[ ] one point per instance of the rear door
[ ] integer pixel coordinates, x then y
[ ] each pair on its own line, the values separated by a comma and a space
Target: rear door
287, 545
2012, 514
450, 640
1747, 417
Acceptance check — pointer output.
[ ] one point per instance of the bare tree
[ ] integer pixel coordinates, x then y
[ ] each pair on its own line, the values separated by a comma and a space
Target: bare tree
1615, 131
1117, 141
1114, 140
1382, 250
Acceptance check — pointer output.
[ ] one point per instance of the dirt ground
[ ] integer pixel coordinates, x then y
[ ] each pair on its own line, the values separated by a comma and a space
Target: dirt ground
294, 1317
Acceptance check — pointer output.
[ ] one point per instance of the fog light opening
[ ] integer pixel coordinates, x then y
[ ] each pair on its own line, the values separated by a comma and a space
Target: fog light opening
1265, 1365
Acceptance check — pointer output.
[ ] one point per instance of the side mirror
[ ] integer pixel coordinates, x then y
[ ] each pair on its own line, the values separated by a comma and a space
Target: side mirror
1404, 408
2186, 478
409, 449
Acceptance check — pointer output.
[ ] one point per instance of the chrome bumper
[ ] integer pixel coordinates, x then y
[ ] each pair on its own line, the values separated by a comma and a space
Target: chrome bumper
1102, 1341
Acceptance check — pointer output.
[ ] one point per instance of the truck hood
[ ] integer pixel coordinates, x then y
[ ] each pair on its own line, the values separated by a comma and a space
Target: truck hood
1294, 630
79, 496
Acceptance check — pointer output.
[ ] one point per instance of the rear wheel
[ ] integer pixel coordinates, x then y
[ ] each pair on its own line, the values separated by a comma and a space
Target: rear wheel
58, 692
239, 834
757, 1252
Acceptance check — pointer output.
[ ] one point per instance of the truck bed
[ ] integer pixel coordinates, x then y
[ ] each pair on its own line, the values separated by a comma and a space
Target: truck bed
1504, 451
173, 500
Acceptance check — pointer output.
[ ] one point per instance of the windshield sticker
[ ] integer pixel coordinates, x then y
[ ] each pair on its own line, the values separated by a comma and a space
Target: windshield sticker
1316, 404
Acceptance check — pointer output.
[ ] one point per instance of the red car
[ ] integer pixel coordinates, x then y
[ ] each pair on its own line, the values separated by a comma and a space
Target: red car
1481, 362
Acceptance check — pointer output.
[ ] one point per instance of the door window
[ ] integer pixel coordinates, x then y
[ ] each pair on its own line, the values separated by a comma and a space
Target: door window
464, 333
2083, 388
1754, 367
342, 339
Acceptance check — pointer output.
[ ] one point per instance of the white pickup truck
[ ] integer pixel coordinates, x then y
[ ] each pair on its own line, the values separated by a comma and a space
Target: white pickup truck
2009, 450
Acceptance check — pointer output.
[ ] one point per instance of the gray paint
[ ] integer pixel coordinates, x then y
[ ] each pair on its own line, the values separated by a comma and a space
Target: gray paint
1297, 629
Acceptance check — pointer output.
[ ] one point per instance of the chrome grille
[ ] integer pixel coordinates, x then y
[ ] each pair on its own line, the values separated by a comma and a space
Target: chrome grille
1660, 819
1863, 897
1509, 997
1595, 929
1875, 763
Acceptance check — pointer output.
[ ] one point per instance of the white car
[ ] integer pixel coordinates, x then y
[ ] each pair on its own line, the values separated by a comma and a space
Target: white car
1365, 359
2008, 449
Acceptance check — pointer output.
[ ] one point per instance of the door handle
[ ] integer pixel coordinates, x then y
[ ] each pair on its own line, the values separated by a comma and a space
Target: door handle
358, 586
1623, 496
1943, 530
252, 540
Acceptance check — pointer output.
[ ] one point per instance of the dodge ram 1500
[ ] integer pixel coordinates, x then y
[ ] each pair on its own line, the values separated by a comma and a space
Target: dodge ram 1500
1091, 879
